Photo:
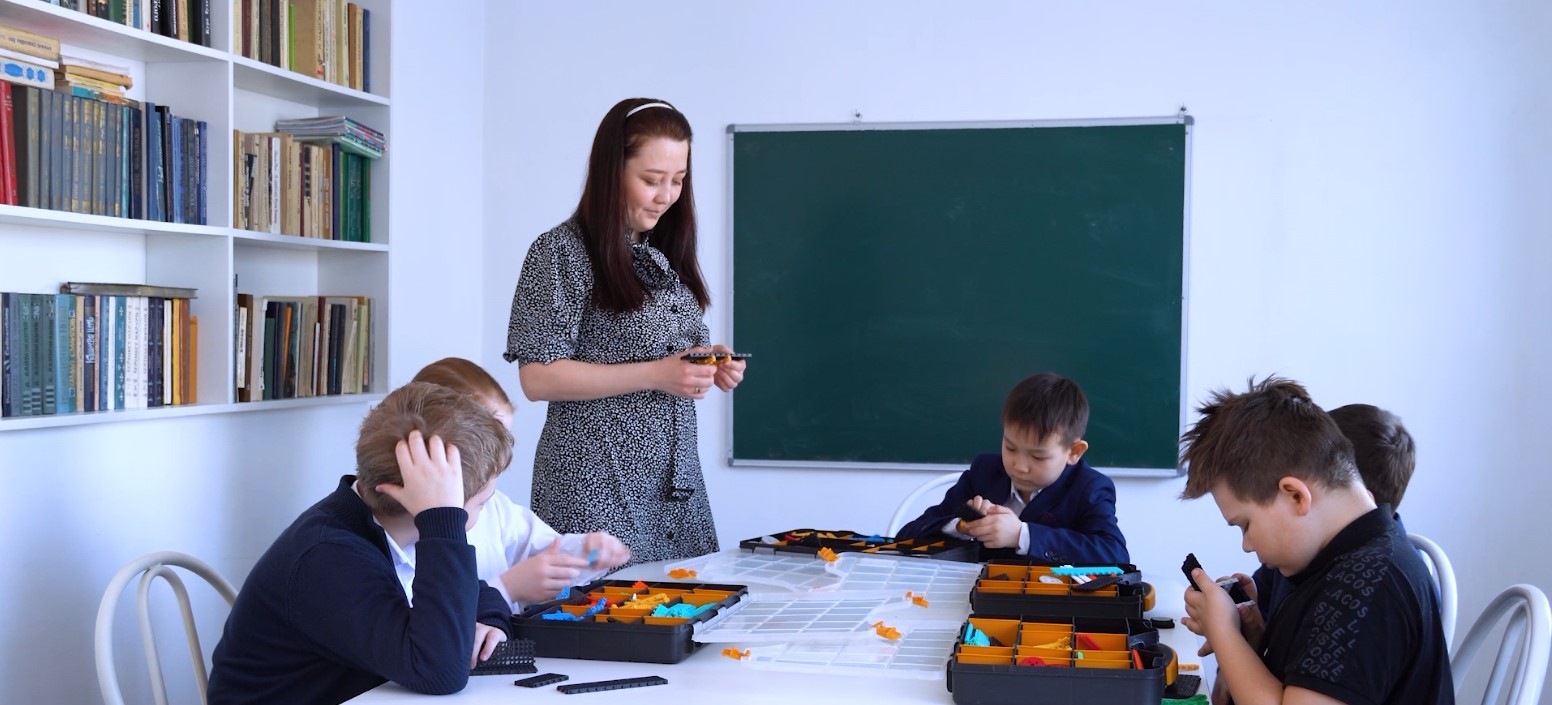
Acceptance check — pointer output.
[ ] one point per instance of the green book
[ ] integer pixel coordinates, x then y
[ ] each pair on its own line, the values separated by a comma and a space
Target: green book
64, 353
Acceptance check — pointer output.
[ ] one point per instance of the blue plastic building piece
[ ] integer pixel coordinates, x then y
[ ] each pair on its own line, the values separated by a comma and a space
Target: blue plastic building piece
592, 558
976, 637
1086, 570
564, 593
875, 538
682, 609
563, 616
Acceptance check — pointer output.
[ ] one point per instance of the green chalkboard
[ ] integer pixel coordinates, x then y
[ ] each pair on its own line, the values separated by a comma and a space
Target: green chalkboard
893, 283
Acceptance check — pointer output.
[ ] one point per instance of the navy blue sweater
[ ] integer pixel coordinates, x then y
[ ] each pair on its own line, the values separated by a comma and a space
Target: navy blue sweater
1072, 521
323, 618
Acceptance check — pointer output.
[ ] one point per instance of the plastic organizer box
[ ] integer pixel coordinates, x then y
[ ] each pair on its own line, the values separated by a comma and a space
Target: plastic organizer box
619, 633
809, 541
1016, 588
1060, 662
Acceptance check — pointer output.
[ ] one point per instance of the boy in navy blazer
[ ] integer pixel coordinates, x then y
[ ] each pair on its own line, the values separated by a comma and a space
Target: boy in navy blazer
1039, 498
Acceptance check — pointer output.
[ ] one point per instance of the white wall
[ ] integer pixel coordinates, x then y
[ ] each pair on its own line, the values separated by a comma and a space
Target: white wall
1365, 204
79, 502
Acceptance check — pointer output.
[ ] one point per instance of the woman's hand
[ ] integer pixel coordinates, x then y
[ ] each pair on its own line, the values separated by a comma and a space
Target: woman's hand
682, 378
729, 373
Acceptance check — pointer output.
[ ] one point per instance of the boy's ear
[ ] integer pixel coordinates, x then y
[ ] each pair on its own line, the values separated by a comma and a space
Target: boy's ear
1079, 447
1297, 492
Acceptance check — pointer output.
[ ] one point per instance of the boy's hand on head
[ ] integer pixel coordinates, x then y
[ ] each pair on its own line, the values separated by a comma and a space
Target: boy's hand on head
998, 529
611, 551
432, 472
544, 574
1210, 611
729, 373
682, 378
486, 638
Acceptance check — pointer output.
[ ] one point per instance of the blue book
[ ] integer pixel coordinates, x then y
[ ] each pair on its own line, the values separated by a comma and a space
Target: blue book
64, 353
105, 321
201, 133
153, 121
44, 304
366, 50
175, 175
120, 303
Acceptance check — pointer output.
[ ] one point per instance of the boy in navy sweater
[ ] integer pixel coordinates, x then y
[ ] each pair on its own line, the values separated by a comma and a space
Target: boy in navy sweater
1038, 498
324, 616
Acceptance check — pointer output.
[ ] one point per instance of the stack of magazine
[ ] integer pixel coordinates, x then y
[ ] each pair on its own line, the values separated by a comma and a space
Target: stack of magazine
338, 129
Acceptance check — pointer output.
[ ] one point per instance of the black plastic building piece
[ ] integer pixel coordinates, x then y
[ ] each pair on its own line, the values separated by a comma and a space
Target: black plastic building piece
511, 656
1102, 581
1163, 623
620, 684
541, 680
1184, 687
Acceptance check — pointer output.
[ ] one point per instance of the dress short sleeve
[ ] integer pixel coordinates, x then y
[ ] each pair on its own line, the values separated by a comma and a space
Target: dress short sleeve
552, 293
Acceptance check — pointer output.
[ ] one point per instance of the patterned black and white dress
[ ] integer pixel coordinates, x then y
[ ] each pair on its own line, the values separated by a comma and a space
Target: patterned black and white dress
625, 464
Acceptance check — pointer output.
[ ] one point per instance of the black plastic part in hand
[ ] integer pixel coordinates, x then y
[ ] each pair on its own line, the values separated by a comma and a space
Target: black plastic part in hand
511, 656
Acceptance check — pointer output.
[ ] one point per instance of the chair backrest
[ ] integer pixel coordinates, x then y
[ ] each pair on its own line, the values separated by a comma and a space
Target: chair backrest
1444, 577
150, 567
1522, 655
928, 494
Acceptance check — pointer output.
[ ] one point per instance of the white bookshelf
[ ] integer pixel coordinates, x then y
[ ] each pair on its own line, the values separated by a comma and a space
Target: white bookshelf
40, 248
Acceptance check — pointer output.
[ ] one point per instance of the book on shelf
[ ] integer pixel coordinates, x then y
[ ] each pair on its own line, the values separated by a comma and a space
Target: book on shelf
324, 39
185, 20
26, 73
90, 151
65, 353
302, 346
115, 289
29, 44
287, 186
27, 58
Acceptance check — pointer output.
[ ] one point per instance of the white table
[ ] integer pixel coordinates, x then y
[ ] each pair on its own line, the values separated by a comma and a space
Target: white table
709, 677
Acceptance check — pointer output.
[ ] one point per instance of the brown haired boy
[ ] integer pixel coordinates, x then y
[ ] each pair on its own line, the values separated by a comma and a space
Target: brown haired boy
324, 616
1361, 625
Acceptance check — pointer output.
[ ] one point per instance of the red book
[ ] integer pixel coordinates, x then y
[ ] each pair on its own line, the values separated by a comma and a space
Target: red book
7, 146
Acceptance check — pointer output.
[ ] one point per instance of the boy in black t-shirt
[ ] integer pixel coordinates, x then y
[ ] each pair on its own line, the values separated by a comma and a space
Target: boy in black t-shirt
1361, 626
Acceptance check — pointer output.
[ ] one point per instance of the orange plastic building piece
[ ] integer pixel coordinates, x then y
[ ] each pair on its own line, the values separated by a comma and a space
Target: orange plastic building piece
679, 573
886, 631
828, 555
918, 600
735, 654
639, 585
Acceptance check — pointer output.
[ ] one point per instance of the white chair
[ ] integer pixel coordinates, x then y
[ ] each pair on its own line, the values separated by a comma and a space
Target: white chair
1522, 656
1444, 577
928, 494
150, 567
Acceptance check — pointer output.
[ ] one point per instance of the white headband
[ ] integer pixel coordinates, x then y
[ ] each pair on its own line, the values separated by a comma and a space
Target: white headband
644, 106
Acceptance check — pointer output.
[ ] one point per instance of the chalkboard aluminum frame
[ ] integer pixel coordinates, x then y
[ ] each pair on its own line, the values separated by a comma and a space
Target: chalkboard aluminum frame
1182, 118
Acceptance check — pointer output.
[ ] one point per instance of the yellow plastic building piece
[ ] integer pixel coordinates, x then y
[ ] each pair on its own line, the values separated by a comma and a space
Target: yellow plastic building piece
886, 631
1190, 667
828, 555
646, 601
1062, 643
918, 600
735, 654
680, 573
